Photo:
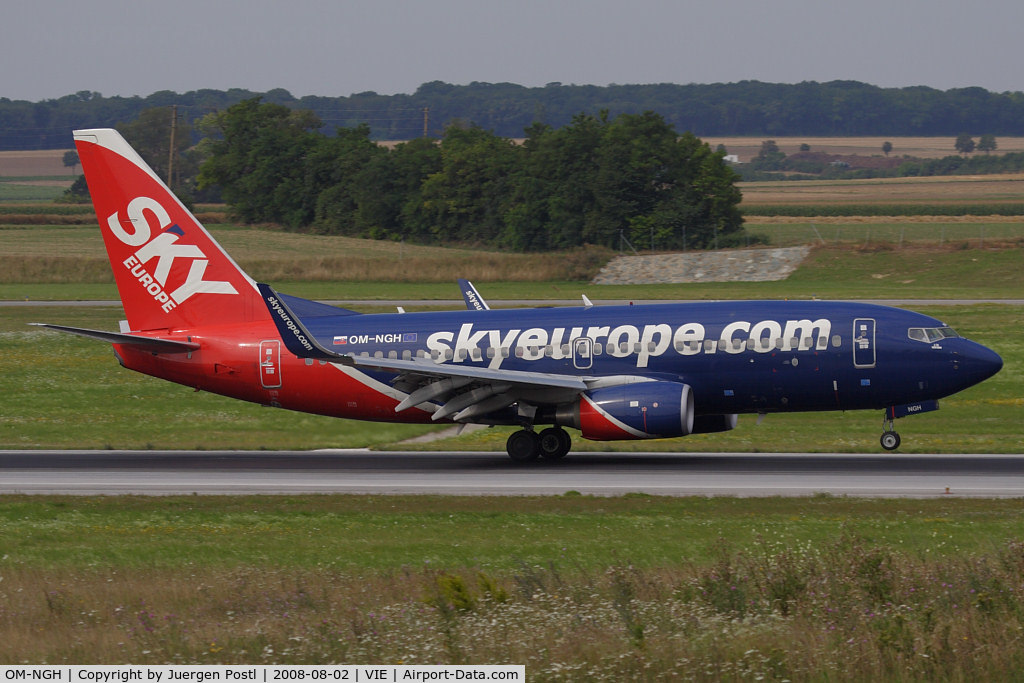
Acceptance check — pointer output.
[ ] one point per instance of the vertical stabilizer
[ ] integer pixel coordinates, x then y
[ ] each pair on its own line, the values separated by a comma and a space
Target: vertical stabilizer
169, 270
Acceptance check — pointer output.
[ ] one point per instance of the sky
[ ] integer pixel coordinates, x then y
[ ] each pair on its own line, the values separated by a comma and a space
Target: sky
49, 48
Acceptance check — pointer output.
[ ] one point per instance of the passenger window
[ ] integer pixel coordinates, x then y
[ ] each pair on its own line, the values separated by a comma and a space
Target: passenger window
837, 341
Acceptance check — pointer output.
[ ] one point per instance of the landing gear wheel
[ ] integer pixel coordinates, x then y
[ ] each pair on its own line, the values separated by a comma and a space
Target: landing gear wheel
890, 441
523, 446
555, 443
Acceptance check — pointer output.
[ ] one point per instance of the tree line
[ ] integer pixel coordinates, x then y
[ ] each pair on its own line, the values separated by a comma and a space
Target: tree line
598, 180
840, 108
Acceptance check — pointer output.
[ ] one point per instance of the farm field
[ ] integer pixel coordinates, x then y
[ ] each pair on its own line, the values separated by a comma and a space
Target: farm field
934, 190
925, 147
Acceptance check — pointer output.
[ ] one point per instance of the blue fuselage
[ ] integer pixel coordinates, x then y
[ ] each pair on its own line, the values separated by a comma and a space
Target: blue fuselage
738, 357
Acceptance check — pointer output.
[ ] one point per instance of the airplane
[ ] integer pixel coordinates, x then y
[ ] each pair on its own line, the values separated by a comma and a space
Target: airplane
610, 372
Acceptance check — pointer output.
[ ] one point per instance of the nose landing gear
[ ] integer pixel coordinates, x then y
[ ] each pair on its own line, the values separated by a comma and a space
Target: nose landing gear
890, 439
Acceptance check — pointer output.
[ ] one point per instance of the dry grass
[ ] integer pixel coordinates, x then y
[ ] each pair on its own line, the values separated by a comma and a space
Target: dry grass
580, 264
938, 189
63, 254
846, 611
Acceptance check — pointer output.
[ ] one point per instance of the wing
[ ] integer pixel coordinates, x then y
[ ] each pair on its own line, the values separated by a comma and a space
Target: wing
467, 393
152, 343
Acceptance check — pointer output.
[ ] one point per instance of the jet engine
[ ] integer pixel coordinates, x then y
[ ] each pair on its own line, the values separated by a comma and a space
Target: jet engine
642, 410
709, 424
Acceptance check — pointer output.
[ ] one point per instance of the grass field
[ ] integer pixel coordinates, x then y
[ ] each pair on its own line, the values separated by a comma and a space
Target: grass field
67, 392
574, 587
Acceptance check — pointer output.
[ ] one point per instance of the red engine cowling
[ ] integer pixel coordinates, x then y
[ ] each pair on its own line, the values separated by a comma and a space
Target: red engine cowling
644, 410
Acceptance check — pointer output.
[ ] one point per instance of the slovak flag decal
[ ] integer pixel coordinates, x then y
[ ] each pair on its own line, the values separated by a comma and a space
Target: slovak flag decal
340, 340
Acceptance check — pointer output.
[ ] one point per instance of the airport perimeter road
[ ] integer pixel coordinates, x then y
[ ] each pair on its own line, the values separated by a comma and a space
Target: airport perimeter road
362, 471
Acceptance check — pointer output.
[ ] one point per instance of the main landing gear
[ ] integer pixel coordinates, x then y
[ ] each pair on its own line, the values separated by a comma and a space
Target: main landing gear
890, 439
526, 445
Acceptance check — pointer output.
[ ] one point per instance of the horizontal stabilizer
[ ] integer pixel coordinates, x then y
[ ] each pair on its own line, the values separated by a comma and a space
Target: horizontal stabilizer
158, 345
313, 309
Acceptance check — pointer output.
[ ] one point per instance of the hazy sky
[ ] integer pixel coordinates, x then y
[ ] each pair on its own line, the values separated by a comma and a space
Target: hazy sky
323, 47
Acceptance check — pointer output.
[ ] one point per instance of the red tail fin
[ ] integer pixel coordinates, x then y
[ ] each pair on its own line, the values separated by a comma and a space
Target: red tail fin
169, 271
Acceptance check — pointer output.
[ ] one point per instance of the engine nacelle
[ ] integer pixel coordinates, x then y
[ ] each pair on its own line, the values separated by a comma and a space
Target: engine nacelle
643, 410
709, 424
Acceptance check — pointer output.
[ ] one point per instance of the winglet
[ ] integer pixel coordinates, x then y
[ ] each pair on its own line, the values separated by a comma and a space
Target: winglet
474, 301
294, 334
587, 302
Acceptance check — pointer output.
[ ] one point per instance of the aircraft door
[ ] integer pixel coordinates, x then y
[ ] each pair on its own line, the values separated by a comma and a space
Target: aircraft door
583, 353
864, 343
270, 364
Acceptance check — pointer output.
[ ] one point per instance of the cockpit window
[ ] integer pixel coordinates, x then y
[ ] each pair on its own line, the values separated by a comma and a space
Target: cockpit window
931, 334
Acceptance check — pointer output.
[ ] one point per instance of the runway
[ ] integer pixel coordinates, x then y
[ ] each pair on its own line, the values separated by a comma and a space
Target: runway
365, 472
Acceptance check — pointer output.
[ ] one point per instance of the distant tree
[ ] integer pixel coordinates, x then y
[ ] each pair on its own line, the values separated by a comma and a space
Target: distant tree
257, 154
770, 158
804, 147
964, 143
987, 143
886, 147
71, 159
78, 193
150, 136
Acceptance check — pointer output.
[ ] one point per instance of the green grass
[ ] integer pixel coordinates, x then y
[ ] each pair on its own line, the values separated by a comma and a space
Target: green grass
882, 272
973, 234
61, 391
382, 533
67, 392
574, 587
986, 418
11, 191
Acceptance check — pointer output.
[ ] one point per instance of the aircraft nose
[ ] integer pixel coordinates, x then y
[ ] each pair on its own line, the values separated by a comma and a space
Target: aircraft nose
978, 363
